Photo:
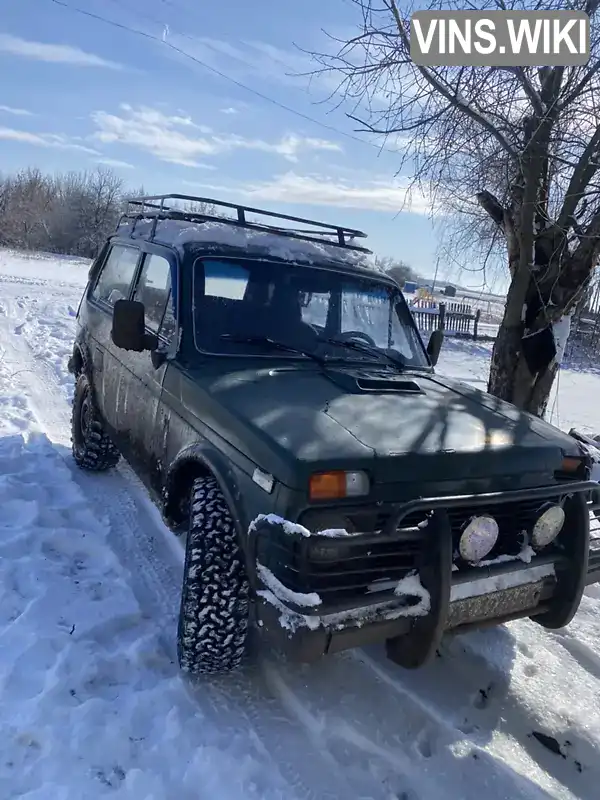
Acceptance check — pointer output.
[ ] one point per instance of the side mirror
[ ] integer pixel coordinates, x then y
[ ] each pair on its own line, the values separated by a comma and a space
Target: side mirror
129, 327
435, 345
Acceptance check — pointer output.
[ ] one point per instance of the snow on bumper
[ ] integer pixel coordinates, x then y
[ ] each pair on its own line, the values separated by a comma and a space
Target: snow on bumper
290, 619
313, 595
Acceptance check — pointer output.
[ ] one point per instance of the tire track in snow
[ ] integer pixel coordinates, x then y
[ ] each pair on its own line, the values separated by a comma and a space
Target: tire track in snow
155, 574
339, 735
119, 501
254, 692
363, 735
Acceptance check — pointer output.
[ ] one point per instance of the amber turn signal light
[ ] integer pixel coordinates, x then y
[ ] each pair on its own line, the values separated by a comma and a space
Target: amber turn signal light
571, 464
337, 484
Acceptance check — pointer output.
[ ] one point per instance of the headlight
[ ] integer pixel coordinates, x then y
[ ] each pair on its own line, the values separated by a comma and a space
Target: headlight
549, 524
478, 538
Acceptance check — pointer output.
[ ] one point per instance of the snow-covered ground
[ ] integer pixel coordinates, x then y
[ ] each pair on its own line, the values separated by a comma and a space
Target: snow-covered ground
91, 701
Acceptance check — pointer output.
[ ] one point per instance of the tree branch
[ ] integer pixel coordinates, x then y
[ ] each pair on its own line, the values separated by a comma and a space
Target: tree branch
582, 175
574, 94
445, 91
492, 206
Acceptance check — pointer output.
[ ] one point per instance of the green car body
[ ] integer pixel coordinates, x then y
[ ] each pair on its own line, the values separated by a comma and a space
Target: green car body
350, 468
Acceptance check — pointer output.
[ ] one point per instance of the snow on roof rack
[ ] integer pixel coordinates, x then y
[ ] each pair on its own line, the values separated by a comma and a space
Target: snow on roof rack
154, 206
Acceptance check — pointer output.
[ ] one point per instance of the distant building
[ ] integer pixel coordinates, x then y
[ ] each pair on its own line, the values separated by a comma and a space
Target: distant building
410, 287
450, 291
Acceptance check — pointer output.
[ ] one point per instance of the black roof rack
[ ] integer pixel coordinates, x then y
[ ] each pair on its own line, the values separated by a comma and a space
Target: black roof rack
155, 206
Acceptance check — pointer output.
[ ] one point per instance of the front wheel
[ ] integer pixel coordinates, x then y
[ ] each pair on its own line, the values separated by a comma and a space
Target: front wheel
213, 618
92, 448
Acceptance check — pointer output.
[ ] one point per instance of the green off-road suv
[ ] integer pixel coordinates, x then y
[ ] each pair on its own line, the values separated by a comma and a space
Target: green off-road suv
272, 391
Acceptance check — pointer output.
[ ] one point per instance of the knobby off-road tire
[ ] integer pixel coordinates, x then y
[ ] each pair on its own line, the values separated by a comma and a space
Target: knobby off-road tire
213, 618
92, 449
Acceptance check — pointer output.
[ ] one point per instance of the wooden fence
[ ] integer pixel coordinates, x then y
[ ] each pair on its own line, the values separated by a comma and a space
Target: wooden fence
454, 318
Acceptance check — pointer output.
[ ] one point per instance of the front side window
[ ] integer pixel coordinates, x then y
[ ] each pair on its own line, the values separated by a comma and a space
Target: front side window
154, 291
116, 274
239, 304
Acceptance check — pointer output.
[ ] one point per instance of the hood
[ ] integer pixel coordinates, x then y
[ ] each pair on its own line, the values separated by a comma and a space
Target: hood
344, 416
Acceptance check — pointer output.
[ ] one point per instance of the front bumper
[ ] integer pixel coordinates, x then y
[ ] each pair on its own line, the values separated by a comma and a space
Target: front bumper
309, 607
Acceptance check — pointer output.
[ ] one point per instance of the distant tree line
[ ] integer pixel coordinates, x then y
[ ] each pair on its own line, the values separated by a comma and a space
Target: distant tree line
399, 270
70, 213
74, 212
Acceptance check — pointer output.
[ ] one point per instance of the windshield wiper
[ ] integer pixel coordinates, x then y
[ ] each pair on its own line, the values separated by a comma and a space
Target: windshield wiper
273, 343
363, 347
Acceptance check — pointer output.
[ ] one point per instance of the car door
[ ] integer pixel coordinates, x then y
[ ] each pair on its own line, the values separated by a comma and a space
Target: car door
114, 281
139, 401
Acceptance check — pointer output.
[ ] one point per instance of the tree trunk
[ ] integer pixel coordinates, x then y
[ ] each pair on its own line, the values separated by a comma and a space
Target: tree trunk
530, 345
527, 350
510, 378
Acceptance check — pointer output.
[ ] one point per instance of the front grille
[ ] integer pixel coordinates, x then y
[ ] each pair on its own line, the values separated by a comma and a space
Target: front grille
357, 565
514, 519
352, 570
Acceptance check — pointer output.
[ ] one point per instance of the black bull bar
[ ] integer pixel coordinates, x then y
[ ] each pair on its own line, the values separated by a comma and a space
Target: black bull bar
550, 599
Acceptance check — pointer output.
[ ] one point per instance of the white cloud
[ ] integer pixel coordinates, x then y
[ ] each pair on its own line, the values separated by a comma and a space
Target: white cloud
388, 196
18, 112
116, 163
56, 140
178, 140
52, 53
229, 110
289, 146
260, 60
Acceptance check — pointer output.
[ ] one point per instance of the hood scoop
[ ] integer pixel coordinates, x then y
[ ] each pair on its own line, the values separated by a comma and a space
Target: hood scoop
376, 381
388, 384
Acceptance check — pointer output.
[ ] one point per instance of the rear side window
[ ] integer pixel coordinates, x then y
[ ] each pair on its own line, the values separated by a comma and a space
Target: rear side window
116, 275
154, 291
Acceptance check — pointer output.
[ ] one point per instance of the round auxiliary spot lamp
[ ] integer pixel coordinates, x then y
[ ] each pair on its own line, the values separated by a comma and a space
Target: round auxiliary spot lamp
548, 525
478, 538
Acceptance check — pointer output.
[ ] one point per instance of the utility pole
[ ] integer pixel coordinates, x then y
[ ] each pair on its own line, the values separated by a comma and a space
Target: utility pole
437, 266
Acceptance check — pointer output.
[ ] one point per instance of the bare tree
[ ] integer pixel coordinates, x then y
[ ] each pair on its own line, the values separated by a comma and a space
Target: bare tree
104, 190
399, 270
26, 200
71, 213
511, 154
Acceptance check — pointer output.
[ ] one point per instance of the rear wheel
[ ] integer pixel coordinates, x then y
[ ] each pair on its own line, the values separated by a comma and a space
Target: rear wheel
92, 448
213, 618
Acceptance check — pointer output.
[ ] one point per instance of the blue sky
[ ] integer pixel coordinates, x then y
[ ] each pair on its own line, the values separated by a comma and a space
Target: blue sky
77, 92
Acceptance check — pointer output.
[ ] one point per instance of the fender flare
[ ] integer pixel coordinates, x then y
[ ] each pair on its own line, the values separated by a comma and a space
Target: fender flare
211, 462
80, 353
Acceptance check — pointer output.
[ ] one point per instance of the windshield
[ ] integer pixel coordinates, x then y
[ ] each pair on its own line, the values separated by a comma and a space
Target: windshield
240, 305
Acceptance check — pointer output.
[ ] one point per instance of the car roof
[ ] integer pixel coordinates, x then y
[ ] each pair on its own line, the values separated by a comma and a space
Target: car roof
223, 240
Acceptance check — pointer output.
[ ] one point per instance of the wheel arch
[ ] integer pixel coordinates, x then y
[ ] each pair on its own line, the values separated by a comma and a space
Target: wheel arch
76, 361
80, 361
200, 461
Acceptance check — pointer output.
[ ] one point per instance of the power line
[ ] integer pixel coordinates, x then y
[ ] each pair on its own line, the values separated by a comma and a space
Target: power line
202, 41
177, 6
216, 71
